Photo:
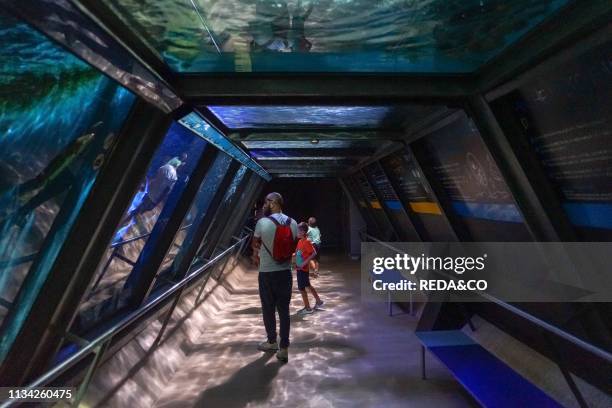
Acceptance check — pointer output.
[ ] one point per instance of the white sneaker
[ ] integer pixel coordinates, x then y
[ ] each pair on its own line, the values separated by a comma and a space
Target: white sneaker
265, 346
305, 311
319, 304
283, 355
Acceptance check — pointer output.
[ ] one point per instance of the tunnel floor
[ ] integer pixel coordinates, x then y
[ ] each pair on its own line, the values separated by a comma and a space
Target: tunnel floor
349, 354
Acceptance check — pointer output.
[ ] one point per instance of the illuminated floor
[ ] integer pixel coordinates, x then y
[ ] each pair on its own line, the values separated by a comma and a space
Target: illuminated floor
351, 354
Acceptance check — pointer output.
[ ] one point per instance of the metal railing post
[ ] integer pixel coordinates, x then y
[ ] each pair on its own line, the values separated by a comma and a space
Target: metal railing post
93, 366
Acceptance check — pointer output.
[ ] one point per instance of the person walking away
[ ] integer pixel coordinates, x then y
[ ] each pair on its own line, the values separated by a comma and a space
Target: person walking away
304, 253
274, 242
314, 236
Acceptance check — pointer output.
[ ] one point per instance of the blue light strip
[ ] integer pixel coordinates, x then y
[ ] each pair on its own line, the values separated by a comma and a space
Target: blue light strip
594, 215
488, 211
393, 205
201, 127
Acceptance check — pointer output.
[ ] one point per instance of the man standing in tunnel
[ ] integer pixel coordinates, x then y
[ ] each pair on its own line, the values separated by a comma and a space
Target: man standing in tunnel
274, 242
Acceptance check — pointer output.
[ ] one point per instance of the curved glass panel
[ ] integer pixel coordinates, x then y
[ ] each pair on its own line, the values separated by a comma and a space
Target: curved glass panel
151, 207
440, 36
185, 236
59, 118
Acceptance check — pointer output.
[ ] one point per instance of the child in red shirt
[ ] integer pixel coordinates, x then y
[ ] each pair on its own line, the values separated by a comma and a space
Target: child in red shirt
304, 253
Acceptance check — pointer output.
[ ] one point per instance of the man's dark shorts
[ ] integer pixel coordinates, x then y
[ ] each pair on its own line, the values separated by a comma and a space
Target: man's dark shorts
317, 248
303, 279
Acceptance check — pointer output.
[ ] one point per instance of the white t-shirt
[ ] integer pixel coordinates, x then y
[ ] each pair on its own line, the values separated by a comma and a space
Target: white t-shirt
265, 229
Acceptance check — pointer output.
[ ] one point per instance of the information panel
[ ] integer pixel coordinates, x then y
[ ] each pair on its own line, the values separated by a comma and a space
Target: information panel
468, 174
369, 194
367, 191
361, 204
394, 207
471, 180
416, 195
384, 188
566, 116
410, 183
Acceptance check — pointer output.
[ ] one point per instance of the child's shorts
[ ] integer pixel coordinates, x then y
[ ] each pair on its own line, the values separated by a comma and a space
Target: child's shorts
303, 279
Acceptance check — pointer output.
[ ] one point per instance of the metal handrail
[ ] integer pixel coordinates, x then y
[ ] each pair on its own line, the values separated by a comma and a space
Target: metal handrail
125, 322
603, 354
127, 241
31, 257
115, 253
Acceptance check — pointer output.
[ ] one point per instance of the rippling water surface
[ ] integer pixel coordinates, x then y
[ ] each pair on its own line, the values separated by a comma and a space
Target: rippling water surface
331, 35
316, 116
58, 119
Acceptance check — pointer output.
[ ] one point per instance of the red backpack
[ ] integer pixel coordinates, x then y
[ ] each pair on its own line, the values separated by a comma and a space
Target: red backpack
284, 243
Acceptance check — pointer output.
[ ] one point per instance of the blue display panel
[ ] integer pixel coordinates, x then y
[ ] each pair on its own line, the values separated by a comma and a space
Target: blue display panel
391, 117
393, 36
197, 124
185, 236
59, 118
390, 200
471, 180
174, 161
566, 117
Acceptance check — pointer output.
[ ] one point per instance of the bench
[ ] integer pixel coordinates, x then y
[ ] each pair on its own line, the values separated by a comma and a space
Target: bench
489, 380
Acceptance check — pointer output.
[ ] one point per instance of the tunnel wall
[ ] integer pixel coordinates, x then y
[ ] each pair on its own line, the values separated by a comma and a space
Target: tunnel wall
96, 194
529, 162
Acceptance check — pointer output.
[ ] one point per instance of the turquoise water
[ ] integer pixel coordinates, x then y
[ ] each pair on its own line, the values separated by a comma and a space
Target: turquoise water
58, 119
441, 36
25, 54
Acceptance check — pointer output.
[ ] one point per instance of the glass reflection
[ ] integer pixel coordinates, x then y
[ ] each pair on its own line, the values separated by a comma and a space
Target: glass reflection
185, 236
331, 35
199, 126
226, 205
58, 120
150, 209
388, 117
